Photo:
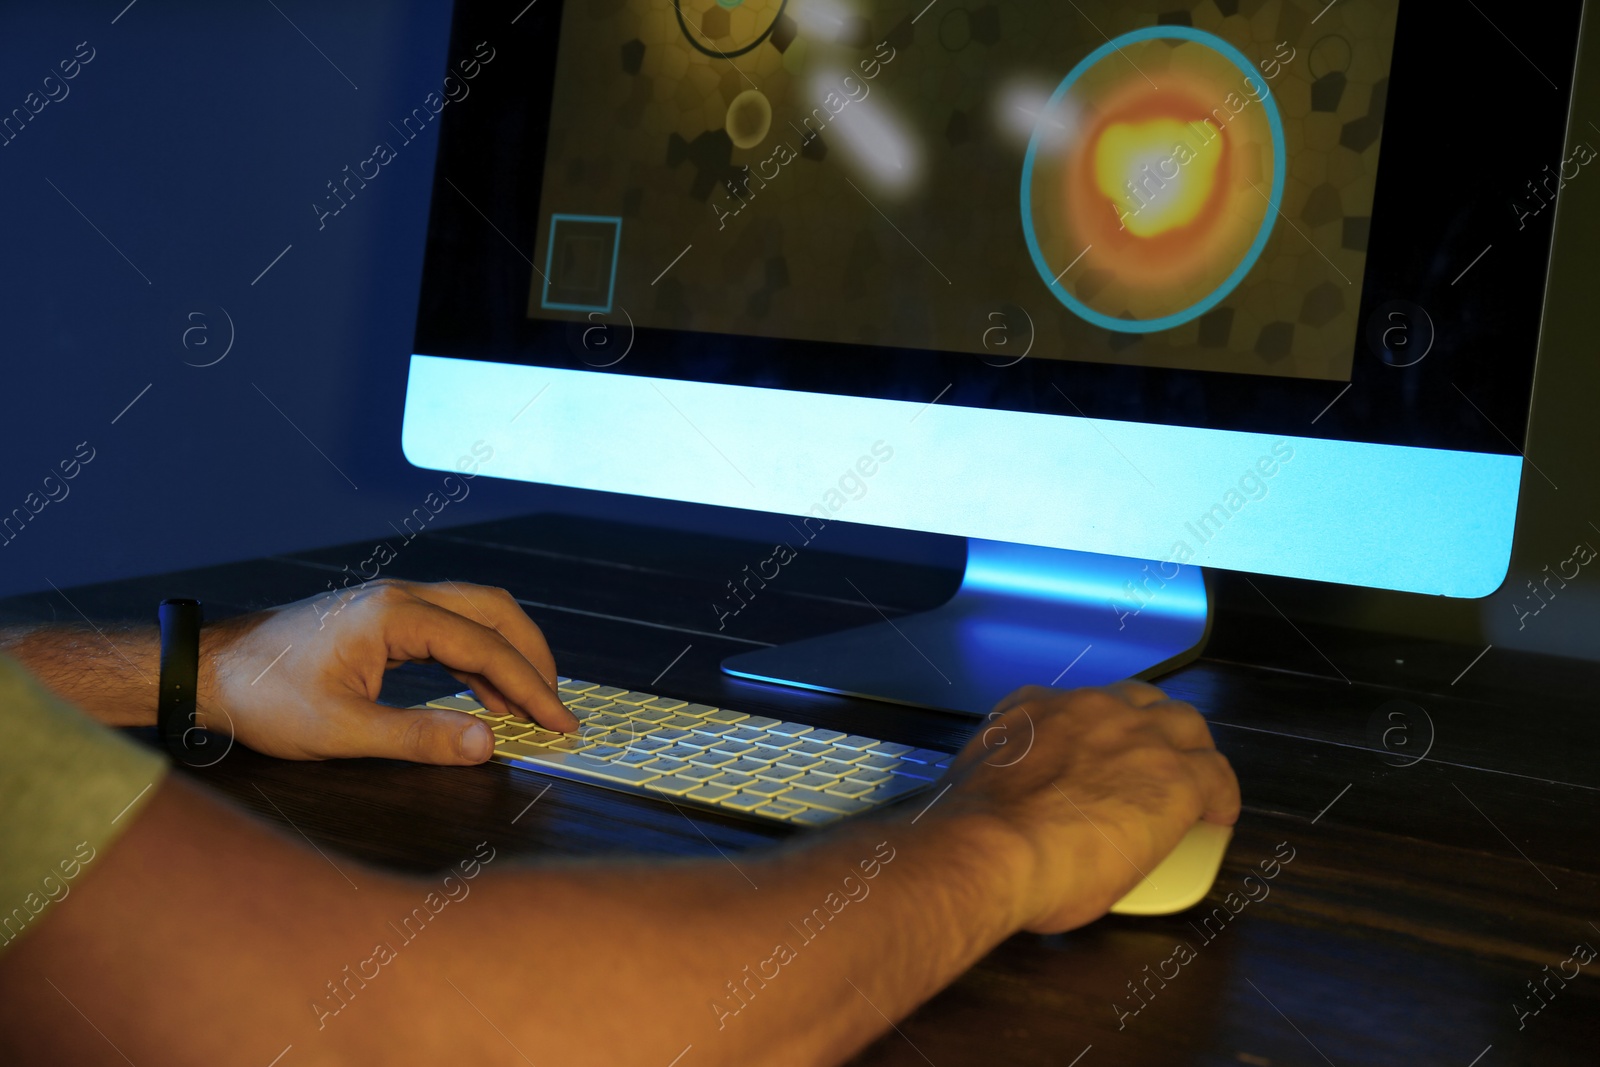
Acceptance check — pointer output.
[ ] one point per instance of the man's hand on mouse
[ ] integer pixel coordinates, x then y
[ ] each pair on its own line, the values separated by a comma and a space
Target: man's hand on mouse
301, 681
1114, 778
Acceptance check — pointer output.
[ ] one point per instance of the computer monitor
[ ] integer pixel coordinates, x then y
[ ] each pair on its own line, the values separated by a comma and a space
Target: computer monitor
1252, 286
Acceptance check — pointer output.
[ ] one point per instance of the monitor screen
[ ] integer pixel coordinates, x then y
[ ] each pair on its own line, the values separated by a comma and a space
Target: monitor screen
828, 180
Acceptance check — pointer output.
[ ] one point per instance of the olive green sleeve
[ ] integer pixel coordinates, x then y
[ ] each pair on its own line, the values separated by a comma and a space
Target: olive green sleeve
68, 787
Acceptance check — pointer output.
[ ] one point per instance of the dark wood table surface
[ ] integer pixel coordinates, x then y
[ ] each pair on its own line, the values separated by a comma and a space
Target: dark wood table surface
1425, 893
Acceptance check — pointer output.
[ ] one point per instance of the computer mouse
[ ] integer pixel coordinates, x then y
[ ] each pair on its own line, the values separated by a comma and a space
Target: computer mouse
1182, 879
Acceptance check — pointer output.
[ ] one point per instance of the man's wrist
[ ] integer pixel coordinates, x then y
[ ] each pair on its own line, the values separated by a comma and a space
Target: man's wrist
1007, 860
216, 645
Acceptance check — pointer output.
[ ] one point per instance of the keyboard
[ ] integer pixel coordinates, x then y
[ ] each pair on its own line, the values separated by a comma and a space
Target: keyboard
716, 758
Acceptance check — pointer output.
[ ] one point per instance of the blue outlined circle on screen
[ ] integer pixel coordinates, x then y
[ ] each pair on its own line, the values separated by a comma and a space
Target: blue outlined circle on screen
1274, 196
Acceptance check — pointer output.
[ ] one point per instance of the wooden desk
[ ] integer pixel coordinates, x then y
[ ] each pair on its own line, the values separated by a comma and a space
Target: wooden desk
1419, 902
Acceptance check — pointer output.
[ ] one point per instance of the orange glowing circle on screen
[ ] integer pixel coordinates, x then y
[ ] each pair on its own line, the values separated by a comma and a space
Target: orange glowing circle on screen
1147, 197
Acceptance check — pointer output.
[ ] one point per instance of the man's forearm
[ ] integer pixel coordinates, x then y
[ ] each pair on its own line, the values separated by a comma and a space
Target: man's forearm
112, 673
798, 956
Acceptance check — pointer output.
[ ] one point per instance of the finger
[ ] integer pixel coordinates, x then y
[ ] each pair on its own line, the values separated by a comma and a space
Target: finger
419, 629
1219, 787
1139, 694
1181, 724
486, 693
421, 735
489, 696
498, 610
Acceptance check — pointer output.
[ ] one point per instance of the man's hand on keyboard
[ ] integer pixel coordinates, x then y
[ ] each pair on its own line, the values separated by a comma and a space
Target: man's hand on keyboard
301, 681
1114, 778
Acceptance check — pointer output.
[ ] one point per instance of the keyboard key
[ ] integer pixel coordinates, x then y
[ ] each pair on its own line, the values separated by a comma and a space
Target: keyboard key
778, 773
709, 793
745, 734
673, 785
573, 685
681, 722
589, 703
610, 692
798, 764
832, 771
681, 751
724, 715
827, 737
456, 703
918, 771
664, 704
925, 755
893, 789
759, 722
733, 750
709, 758
844, 756
813, 781
633, 699
773, 746
869, 777
650, 744
603, 752
648, 714
732, 781
809, 747
695, 710
848, 787
742, 801
635, 758
697, 742
515, 749
856, 741
779, 809
699, 773
891, 748
705, 726
765, 789
877, 762
789, 729
567, 743
542, 737
668, 766
613, 772
813, 817
746, 766
580, 764
813, 799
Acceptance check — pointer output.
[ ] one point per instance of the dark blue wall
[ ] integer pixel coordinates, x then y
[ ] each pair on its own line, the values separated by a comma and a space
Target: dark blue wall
194, 143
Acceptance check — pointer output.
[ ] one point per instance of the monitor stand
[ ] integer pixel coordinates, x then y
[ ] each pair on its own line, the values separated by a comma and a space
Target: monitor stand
1023, 616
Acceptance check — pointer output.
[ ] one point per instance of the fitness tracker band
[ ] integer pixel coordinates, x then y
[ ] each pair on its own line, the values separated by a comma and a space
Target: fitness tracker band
180, 672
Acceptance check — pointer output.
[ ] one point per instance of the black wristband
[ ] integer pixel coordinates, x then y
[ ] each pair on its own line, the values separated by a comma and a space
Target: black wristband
180, 672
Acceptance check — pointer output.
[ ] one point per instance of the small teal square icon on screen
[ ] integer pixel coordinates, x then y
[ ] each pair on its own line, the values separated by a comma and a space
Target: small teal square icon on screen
580, 265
